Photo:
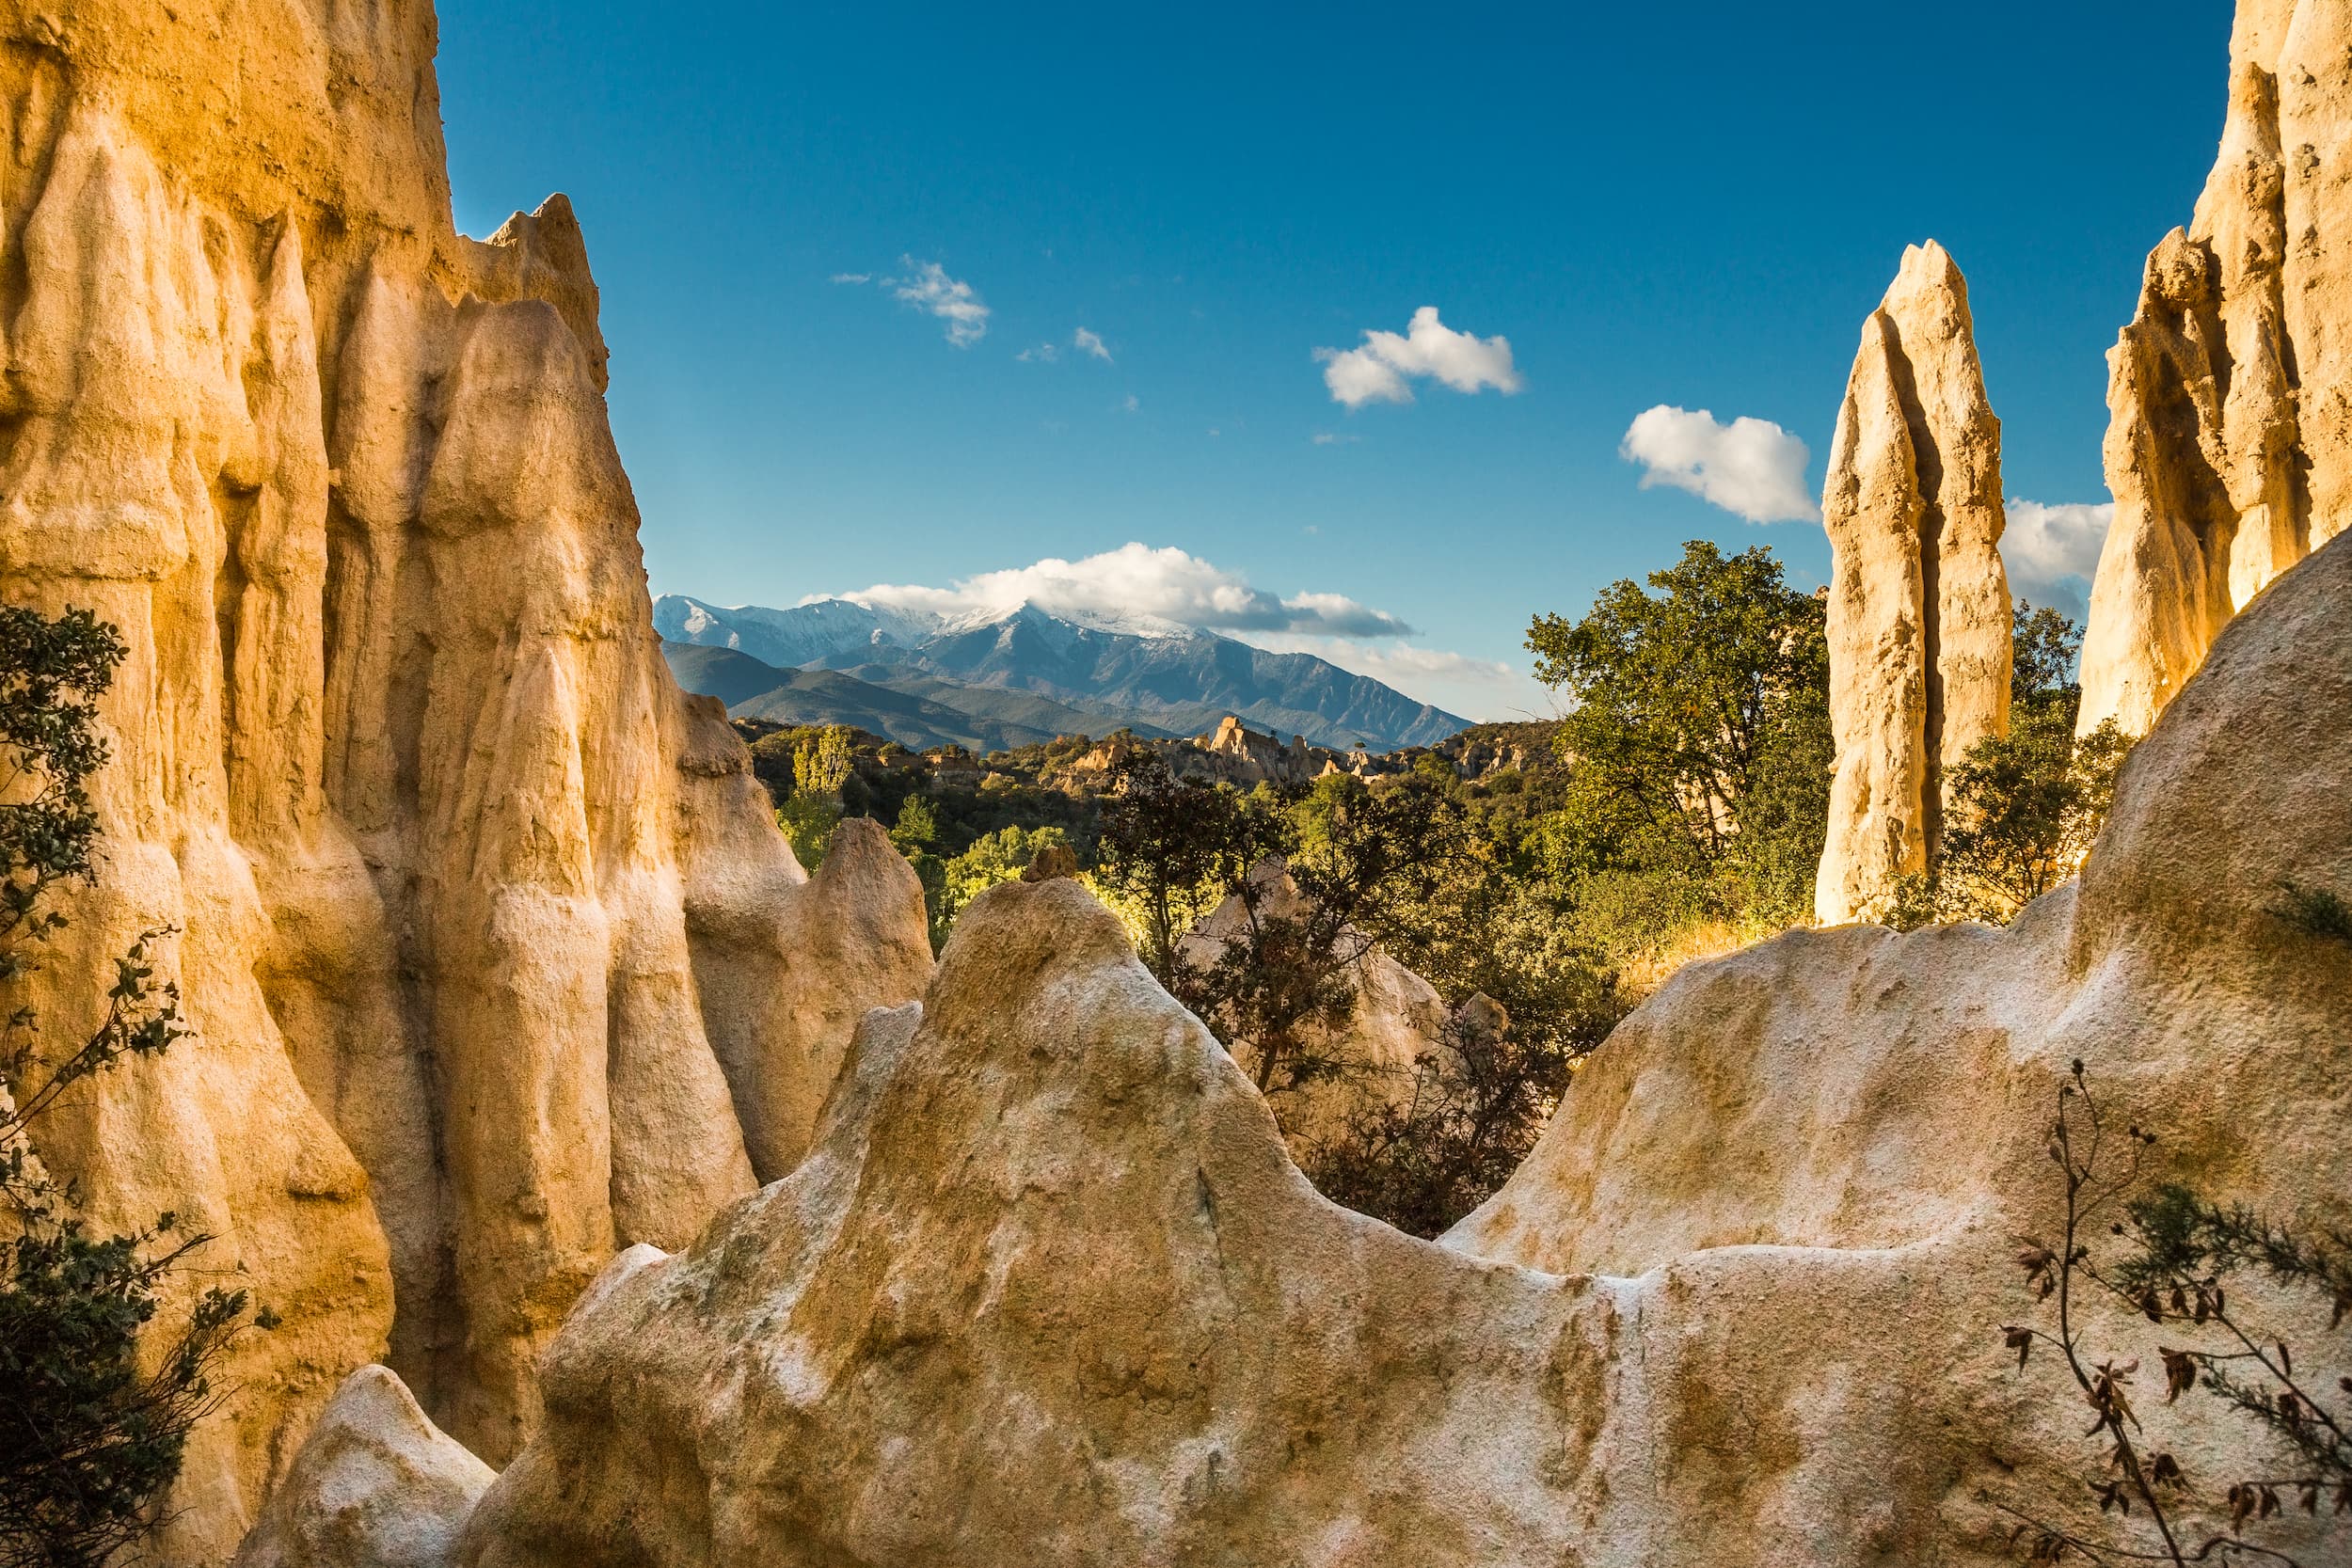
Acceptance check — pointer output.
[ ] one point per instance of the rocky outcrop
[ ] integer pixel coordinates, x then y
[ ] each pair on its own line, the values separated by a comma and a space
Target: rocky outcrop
1918, 603
1395, 1017
2229, 449
377, 1485
468, 896
1048, 1292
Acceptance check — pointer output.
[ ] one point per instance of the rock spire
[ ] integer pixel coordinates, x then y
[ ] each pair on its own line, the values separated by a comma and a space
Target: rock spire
1919, 602
2229, 449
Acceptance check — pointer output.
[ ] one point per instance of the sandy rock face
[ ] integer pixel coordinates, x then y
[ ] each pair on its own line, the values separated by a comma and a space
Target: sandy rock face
2229, 448
1918, 603
468, 892
377, 1485
1047, 1290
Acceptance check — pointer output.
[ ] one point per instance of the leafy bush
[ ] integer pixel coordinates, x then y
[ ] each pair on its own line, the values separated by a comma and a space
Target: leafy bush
91, 1430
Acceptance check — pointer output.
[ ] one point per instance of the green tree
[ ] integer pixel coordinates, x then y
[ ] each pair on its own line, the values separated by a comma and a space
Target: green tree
1166, 843
2026, 807
808, 818
1698, 746
822, 766
998, 857
92, 1433
822, 762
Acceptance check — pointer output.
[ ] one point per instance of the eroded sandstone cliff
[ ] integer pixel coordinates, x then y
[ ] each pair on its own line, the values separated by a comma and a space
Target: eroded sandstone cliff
2229, 449
495, 959
1918, 600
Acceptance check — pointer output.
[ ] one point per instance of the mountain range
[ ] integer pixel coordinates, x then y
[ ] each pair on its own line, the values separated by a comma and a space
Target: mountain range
1008, 677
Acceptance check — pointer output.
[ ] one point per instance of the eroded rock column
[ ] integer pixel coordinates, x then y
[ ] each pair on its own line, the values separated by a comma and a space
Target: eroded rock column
1918, 603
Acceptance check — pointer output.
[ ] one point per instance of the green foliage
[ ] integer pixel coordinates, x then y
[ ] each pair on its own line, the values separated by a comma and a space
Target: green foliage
999, 857
821, 762
918, 826
2024, 809
1165, 849
1698, 751
808, 819
1434, 872
89, 1442
2182, 1256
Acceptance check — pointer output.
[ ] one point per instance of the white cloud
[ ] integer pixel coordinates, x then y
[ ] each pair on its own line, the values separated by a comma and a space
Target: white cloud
1044, 353
1135, 582
850, 277
1326, 438
1133, 403
1380, 368
1749, 467
2052, 552
928, 289
1085, 341
2044, 545
1477, 688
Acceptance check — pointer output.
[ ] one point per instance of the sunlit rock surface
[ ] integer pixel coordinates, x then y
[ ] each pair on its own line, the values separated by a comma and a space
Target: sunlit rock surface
1918, 600
1048, 1290
469, 897
2229, 447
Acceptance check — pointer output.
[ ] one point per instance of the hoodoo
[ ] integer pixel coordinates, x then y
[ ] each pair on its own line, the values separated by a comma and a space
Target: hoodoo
489, 945
1918, 601
2229, 449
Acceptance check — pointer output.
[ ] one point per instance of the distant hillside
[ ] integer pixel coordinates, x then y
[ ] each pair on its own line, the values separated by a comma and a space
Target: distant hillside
1160, 678
979, 719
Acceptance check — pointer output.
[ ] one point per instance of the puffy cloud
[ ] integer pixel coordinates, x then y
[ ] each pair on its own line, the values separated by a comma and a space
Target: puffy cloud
1044, 353
928, 289
1380, 368
2045, 543
1133, 403
1137, 585
2052, 552
1085, 341
1749, 467
850, 277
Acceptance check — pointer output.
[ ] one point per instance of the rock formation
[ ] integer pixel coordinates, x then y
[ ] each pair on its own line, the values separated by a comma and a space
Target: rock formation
472, 903
2229, 449
1048, 1292
377, 1485
1395, 1017
1918, 604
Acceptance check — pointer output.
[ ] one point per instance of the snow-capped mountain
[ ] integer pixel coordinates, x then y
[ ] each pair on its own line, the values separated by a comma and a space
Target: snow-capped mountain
1137, 670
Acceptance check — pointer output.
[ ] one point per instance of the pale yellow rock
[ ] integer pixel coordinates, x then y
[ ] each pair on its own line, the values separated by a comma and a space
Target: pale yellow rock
1047, 1292
472, 902
1918, 601
377, 1485
2229, 448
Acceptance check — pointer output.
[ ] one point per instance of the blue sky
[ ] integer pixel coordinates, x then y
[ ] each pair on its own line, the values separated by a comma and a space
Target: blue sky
1689, 205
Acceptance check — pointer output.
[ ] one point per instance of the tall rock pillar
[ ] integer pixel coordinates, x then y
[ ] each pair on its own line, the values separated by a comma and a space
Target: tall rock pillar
1918, 603
2229, 448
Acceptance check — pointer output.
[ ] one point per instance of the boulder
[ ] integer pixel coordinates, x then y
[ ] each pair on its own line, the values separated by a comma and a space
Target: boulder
375, 1485
1918, 600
